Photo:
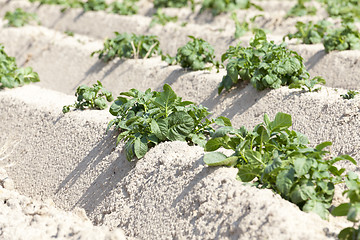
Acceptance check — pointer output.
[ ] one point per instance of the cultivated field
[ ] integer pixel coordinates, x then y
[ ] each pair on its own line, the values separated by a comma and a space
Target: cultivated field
170, 193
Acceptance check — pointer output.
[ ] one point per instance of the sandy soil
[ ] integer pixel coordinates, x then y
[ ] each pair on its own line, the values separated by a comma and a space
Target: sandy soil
170, 194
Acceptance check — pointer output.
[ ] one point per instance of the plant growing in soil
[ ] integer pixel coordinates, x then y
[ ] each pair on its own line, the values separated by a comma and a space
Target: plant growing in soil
195, 55
243, 27
349, 95
272, 156
219, 6
126, 7
95, 97
148, 118
346, 9
345, 38
19, 18
351, 209
310, 33
300, 10
129, 46
172, 3
11, 76
161, 18
65, 3
265, 65
94, 5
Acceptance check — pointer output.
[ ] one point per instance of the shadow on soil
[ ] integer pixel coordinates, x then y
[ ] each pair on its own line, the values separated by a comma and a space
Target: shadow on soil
240, 99
104, 182
311, 63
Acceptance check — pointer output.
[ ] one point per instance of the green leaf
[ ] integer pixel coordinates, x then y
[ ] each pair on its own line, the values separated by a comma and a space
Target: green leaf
354, 213
247, 173
302, 166
166, 98
349, 233
214, 144
219, 159
285, 180
317, 207
274, 164
303, 192
180, 125
140, 147
282, 121
223, 121
341, 210
253, 157
129, 149
323, 145
156, 129
221, 132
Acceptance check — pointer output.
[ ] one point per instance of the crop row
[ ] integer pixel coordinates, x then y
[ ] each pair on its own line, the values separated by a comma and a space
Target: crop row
280, 159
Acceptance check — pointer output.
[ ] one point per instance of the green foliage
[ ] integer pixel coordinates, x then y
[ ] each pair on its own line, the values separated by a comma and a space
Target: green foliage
66, 4
243, 27
349, 95
272, 156
265, 65
94, 5
69, 33
19, 18
301, 10
126, 7
195, 55
95, 97
310, 33
346, 9
345, 38
161, 18
351, 209
10, 75
148, 118
129, 46
219, 6
172, 3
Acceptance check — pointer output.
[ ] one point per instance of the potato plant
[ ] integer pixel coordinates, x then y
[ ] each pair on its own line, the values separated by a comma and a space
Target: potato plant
94, 5
161, 18
126, 7
351, 209
195, 55
95, 97
220, 6
125, 45
301, 10
346, 37
265, 65
345, 9
349, 95
172, 3
19, 18
310, 33
273, 156
11, 76
145, 119
241, 28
